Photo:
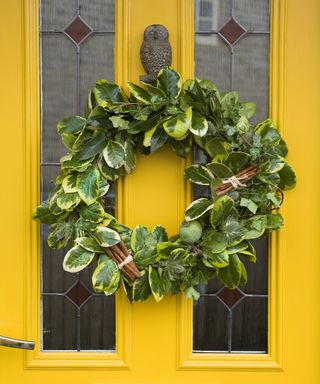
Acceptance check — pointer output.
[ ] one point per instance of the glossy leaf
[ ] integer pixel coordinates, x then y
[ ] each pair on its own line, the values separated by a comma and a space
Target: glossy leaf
199, 174
93, 213
170, 82
197, 208
230, 276
88, 185
106, 277
77, 259
178, 126
199, 125
107, 237
114, 154
89, 244
72, 124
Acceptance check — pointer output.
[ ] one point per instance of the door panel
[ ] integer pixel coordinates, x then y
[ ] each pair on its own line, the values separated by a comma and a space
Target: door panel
153, 339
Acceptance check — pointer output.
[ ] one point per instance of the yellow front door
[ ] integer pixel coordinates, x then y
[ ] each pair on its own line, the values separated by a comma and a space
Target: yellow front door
154, 341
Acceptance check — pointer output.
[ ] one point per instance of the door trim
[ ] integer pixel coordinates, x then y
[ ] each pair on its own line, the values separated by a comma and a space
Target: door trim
273, 360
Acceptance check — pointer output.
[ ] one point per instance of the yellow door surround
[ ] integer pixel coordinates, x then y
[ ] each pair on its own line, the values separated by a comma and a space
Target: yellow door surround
154, 341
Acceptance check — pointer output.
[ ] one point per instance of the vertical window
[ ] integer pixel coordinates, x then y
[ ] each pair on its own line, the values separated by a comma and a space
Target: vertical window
77, 42
234, 54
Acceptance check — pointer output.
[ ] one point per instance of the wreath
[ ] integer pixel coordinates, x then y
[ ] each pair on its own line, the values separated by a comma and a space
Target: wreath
245, 176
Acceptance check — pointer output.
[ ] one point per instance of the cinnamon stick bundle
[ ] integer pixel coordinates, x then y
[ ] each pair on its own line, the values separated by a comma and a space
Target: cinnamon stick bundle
118, 253
243, 176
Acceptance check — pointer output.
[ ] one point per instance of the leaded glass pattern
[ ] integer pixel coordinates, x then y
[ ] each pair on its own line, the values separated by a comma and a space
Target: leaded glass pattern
77, 43
232, 50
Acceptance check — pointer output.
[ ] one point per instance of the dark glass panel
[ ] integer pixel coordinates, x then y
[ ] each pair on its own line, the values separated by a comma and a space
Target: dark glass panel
210, 317
59, 323
232, 31
95, 63
219, 13
56, 14
59, 89
99, 14
98, 324
257, 272
250, 325
251, 72
212, 60
252, 14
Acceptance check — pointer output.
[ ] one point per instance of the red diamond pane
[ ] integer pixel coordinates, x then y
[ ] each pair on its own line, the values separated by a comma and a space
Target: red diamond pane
78, 30
232, 31
78, 294
230, 297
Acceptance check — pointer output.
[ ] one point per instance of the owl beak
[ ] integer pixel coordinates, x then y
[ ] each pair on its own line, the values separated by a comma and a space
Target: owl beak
155, 35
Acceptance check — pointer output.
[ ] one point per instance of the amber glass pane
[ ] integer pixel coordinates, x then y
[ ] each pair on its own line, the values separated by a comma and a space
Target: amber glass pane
77, 44
232, 50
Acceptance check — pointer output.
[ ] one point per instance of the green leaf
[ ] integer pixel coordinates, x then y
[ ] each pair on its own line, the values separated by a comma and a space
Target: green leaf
238, 160
178, 126
72, 124
60, 234
130, 161
217, 260
88, 185
67, 201
249, 253
254, 227
238, 248
157, 284
106, 277
103, 187
141, 287
197, 208
165, 248
247, 109
274, 221
213, 241
89, 244
139, 93
170, 82
93, 212
148, 137
199, 174
199, 126
107, 237
77, 259
191, 293
68, 140
230, 276
137, 126
221, 210
43, 215
107, 94
94, 146
287, 178
138, 237
248, 203
220, 170
215, 149
159, 234
114, 154
119, 122
69, 183
158, 139
145, 257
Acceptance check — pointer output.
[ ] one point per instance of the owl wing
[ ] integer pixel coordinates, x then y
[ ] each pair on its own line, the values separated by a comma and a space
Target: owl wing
155, 56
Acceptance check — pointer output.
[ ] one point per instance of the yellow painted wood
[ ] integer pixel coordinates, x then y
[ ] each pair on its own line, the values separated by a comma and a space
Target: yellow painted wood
150, 349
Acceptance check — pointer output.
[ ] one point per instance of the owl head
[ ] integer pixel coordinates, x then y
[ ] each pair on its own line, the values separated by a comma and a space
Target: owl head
156, 32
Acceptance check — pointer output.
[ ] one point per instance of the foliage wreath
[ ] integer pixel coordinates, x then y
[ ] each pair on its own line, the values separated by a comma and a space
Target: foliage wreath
245, 173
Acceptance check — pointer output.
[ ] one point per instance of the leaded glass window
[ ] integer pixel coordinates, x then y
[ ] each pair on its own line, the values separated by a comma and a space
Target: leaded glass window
77, 42
232, 50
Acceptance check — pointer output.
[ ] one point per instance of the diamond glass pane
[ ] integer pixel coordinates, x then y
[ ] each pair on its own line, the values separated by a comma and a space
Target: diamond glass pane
78, 30
232, 31
234, 54
77, 44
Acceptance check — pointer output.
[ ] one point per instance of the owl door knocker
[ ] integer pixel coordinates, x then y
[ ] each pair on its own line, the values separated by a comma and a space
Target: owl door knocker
155, 52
